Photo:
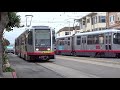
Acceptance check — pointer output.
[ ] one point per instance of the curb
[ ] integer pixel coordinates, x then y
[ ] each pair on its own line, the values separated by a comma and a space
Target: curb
9, 75
14, 74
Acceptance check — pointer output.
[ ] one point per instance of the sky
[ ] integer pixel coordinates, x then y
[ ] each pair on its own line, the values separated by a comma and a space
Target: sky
55, 20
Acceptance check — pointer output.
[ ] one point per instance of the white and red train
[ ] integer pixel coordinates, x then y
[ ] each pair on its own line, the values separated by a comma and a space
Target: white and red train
104, 43
35, 43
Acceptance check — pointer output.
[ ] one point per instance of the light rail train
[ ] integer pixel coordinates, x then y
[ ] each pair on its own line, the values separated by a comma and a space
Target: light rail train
104, 43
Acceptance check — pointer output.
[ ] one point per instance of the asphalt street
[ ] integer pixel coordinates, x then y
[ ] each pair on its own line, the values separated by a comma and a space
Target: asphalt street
67, 67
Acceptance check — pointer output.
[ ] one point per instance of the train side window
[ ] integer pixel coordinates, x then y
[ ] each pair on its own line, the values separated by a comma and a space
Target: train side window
96, 39
109, 39
30, 40
62, 42
53, 39
101, 39
68, 38
53, 36
116, 38
89, 39
106, 39
68, 42
78, 40
17, 42
65, 42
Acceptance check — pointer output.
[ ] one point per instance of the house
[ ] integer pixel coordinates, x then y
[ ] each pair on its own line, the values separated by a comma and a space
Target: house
113, 20
65, 31
92, 22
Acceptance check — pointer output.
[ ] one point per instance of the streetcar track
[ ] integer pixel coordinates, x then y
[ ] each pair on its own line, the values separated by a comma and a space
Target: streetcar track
88, 74
77, 70
51, 70
90, 59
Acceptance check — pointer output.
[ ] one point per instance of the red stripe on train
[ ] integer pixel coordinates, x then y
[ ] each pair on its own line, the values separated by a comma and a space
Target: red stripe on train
35, 53
38, 53
115, 51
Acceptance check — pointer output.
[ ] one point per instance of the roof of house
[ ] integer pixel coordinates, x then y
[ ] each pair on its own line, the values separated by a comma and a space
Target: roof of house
90, 14
68, 29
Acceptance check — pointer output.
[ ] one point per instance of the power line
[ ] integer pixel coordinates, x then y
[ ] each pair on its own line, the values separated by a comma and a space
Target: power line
49, 22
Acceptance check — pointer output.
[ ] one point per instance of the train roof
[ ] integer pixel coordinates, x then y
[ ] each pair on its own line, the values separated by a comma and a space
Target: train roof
94, 32
40, 27
98, 32
63, 36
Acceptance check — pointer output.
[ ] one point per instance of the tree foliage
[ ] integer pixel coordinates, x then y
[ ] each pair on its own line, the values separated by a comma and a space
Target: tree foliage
6, 42
14, 21
8, 20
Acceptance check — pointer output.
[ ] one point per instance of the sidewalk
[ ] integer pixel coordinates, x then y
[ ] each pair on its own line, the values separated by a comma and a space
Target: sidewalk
8, 75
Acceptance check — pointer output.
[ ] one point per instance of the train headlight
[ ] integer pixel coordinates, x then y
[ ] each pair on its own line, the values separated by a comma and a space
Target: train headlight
37, 49
48, 49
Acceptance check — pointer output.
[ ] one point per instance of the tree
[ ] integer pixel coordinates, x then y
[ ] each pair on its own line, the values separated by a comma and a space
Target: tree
5, 42
8, 20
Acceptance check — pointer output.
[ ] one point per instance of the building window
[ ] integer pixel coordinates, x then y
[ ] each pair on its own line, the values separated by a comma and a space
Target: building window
112, 18
95, 19
58, 34
103, 28
88, 20
99, 28
102, 19
70, 33
66, 33
92, 21
81, 25
118, 18
83, 22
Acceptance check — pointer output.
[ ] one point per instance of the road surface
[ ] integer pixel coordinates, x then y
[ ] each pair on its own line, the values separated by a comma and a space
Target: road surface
67, 67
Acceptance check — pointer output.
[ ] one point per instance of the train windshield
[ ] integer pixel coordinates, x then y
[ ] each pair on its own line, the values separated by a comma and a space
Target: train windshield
116, 38
42, 37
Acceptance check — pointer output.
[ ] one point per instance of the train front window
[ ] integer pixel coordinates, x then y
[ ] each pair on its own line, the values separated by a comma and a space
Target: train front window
116, 38
42, 37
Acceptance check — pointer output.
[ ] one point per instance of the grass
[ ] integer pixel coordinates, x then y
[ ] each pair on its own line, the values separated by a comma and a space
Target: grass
9, 69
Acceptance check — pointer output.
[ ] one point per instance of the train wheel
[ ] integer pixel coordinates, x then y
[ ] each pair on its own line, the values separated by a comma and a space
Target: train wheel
71, 54
117, 55
27, 57
74, 54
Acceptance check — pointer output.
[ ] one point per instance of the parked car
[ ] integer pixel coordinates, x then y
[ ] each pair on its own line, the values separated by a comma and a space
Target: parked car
10, 49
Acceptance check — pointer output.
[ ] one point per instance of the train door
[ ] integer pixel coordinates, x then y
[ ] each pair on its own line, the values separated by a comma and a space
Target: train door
73, 43
84, 43
108, 41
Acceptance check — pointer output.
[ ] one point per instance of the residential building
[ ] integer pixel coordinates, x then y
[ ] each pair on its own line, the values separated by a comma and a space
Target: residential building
68, 31
113, 20
64, 31
92, 22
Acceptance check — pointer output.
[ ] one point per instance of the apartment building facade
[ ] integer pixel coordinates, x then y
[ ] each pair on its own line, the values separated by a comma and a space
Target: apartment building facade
92, 22
67, 31
64, 31
113, 20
